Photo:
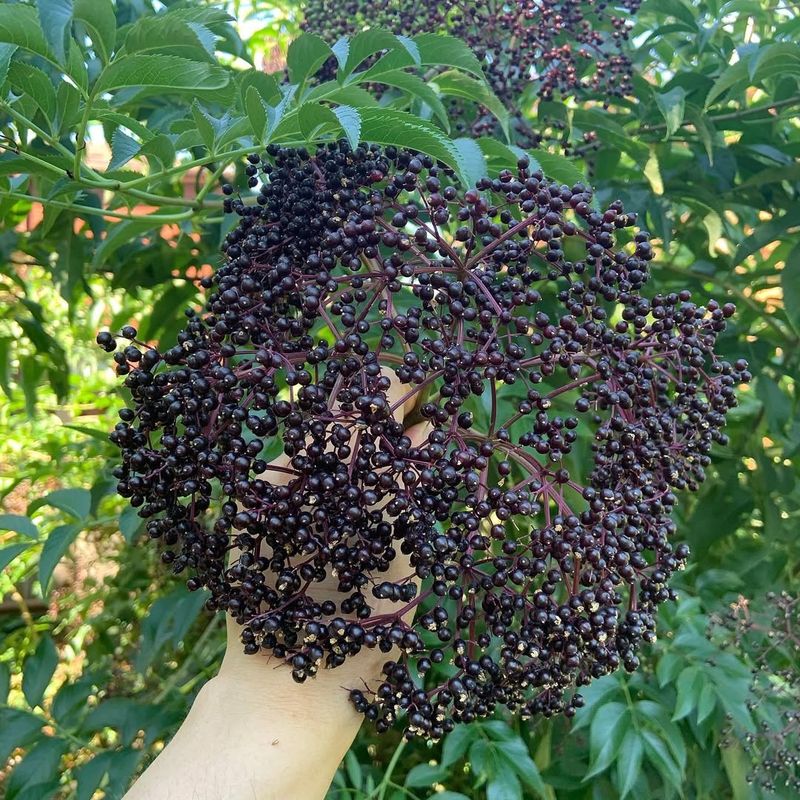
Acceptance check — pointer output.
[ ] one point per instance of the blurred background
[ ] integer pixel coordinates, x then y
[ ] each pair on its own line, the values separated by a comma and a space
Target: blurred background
102, 650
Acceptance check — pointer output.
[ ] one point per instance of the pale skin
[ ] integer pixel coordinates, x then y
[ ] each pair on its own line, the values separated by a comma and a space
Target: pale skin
255, 734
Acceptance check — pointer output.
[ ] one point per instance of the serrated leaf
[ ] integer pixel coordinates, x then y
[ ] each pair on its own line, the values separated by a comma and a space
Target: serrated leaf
350, 120
123, 149
669, 665
6, 53
629, 762
689, 685
457, 84
159, 71
19, 524
558, 168
672, 105
316, 120
386, 126
55, 547
456, 743
446, 51
169, 33
19, 25
473, 159
365, 44
55, 18
35, 83
416, 87
706, 703
504, 786
340, 50
605, 736
306, 54
101, 23
38, 669
660, 758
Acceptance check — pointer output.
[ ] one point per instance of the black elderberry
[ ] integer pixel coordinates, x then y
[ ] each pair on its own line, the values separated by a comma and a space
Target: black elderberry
528, 576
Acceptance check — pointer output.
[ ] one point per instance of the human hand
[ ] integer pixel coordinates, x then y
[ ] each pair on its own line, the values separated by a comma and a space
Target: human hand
264, 735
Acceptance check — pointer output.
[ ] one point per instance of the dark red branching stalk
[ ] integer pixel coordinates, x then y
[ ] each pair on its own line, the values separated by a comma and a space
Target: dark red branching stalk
513, 312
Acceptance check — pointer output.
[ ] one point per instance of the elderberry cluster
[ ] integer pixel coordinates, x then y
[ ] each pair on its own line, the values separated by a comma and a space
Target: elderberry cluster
520, 547
768, 635
562, 46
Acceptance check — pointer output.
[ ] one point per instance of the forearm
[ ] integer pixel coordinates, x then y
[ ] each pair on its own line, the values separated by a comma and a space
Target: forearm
253, 742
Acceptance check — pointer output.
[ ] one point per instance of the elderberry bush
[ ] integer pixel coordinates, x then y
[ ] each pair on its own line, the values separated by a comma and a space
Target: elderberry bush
561, 46
521, 548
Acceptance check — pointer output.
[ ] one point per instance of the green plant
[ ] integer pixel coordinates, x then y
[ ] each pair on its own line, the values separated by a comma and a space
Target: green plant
707, 147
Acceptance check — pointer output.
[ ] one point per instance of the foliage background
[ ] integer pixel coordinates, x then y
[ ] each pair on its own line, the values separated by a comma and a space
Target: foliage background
101, 650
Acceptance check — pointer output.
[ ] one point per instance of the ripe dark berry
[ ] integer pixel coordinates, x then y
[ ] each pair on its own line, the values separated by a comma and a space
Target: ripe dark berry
529, 575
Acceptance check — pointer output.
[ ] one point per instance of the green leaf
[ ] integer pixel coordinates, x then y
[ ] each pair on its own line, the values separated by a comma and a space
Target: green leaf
19, 524
386, 126
8, 554
669, 666
55, 18
119, 234
689, 685
558, 168
605, 736
672, 105
130, 523
316, 121
119, 765
18, 728
5, 682
168, 33
504, 785
33, 776
416, 87
35, 83
768, 232
652, 172
77, 502
790, 283
101, 24
456, 84
38, 669
19, 25
443, 50
53, 551
473, 159
354, 772
456, 743
706, 703
306, 54
71, 698
629, 762
123, 149
6, 53
662, 761
350, 120
205, 125
173, 74
425, 775
363, 45
167, 622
